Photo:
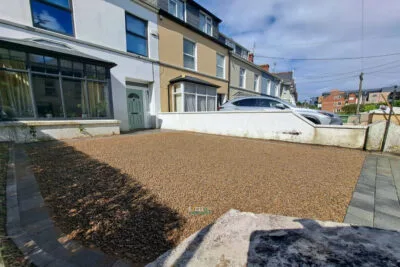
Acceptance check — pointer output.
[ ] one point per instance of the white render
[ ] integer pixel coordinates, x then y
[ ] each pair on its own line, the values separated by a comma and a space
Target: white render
100, 32
33, 131
272, 125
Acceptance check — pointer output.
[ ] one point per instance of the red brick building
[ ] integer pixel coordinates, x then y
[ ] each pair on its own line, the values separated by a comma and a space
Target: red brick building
333, 101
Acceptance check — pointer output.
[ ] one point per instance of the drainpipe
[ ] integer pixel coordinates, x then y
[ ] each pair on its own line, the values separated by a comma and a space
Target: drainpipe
229, 78
388, 121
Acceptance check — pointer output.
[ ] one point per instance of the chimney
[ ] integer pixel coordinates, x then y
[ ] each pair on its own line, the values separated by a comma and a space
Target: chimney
265, 67
251, 57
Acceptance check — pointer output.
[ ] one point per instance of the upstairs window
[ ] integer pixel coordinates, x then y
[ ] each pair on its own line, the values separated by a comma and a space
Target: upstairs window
242, 78
256, 82
206, 23
177, 8
136, 35
53, 15
220, 66
189, 54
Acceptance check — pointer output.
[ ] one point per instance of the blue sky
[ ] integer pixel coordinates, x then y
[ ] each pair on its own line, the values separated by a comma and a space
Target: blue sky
318, 29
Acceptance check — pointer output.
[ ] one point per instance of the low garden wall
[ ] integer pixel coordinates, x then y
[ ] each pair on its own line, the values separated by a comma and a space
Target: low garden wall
272, 125
32, 131
375, 137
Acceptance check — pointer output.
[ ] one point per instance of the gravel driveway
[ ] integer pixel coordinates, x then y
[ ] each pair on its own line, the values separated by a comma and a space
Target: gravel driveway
130, 195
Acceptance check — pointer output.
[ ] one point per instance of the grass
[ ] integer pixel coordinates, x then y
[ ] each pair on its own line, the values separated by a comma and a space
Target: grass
10, 255
137, 196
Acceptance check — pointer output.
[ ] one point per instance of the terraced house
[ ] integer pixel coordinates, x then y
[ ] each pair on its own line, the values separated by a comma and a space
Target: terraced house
87, 61
194, 69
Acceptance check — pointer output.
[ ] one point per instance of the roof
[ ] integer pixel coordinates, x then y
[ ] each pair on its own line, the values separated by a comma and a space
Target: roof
205, 10
187, 25
367, 91
50, 47
285, 76
185, 78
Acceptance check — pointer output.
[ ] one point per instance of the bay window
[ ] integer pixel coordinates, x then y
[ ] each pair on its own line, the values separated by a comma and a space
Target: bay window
189, 54
191, 97
53, 15
43, 86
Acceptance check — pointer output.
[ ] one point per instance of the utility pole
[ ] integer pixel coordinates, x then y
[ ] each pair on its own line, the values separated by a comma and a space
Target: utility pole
360, 94
391, 101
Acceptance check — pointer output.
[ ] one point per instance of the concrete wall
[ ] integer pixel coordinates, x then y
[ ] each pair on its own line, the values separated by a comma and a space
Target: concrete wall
375, 137
99, 33
33, 131
271, 125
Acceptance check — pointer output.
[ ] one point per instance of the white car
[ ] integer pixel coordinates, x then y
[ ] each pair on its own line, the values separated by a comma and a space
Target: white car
268, 102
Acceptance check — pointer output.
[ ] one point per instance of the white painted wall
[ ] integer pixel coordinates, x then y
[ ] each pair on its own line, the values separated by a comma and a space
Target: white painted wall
375, 137
33, 131
272, 125
99, 22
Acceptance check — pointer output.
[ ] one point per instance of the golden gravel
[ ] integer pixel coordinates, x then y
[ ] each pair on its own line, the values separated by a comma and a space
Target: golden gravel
130, 195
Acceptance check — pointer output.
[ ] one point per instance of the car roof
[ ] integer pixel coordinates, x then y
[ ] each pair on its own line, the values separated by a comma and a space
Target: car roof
251, 97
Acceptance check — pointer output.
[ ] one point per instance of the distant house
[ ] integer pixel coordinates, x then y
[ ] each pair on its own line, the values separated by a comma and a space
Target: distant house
288, 88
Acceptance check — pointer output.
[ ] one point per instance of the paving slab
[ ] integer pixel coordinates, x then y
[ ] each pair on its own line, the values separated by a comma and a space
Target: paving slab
377, 194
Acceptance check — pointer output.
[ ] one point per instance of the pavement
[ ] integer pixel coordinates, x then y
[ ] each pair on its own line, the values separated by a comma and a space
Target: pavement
376, 198
30, 226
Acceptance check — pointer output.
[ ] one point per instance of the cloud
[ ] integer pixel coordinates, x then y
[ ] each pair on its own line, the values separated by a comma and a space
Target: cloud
46, 20
317, 29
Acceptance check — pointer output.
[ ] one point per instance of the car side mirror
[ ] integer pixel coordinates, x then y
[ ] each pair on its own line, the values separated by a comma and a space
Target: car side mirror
280, 106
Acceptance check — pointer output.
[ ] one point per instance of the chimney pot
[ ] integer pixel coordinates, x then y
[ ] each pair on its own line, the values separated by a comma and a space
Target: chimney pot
265, 67
251, 57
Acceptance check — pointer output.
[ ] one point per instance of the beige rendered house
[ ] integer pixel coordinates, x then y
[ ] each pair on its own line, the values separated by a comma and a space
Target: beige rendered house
194, 64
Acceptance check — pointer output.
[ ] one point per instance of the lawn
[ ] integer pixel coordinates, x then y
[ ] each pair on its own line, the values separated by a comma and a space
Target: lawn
10, 255
135, 195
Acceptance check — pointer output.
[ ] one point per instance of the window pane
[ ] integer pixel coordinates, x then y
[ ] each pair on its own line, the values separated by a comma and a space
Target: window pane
17, 59
66, 67
51, 65
188, 62
78, 69
220, 72
178, 103
15, 97
74, 98
201, 90
190, 103
47, 96
4, 58
211, 91
201, 103
211, 103
63, 3
37, 63
136, 25
202, 22
98, 104
190, 88
181, 10
220, 60
101, 73
136, 44
172, 7
52, 18
188, 47
209, 28
91, 71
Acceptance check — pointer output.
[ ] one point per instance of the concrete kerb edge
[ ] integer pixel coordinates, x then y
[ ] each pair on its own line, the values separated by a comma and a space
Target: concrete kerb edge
13, 224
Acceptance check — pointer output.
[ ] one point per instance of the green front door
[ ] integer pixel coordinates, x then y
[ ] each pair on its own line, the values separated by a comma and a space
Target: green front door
135, 109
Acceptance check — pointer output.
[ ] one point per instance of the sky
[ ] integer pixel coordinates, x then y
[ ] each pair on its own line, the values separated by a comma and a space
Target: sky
305, 29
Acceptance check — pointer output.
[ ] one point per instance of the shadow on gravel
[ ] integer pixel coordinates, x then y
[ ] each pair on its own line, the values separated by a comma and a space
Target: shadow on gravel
98, 205
315, 245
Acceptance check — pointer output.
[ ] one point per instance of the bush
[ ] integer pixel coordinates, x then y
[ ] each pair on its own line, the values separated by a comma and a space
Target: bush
351, 109
396, 103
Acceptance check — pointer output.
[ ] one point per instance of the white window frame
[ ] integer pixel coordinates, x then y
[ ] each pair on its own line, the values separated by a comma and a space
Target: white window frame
195, 54
244, 77
256, 82
176, 8
223, 65
207, 19
182, 92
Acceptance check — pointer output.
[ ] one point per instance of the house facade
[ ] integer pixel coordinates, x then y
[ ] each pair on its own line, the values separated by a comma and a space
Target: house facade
60, 62
194, 64
288, 88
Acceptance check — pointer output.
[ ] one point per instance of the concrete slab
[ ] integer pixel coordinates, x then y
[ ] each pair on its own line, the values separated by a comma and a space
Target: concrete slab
248, 239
